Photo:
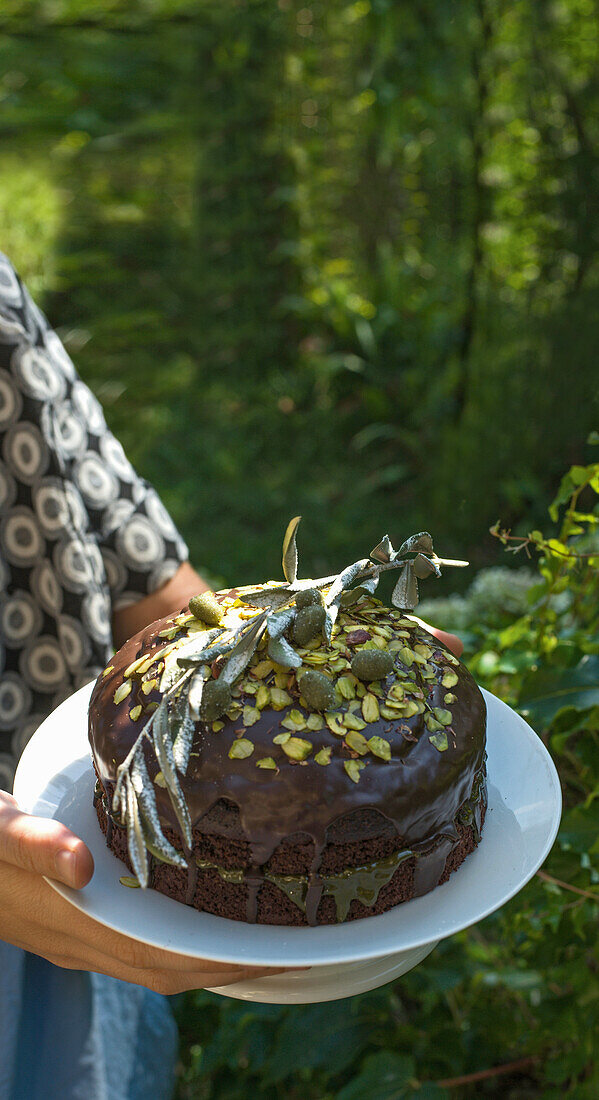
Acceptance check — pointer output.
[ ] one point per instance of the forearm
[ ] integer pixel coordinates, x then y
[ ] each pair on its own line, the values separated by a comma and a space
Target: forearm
171, 597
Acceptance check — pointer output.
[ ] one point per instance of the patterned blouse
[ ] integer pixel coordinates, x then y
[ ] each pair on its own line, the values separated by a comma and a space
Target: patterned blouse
80, 533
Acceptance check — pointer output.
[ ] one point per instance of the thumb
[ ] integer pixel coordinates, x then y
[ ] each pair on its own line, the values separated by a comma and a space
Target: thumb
452, 641
43, 846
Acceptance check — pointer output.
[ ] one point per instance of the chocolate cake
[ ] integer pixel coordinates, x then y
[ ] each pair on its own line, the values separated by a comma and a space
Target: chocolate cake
292, 753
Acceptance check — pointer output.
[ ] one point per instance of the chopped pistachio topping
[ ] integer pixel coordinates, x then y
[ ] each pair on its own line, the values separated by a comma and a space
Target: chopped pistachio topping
122, 691
439, 740
296, 748
380, 747
323, 756
370, 707
281, 738
357, 742
135, 712
241, 749
267, 762
353, 769
449, 678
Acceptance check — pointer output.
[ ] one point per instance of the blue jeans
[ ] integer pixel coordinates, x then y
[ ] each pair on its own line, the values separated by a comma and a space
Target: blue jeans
70, 1035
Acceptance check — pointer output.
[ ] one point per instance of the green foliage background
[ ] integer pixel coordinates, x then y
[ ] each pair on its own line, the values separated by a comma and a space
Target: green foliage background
340, 259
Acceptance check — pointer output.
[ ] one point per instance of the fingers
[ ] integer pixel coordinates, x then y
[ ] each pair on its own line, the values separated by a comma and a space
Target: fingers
43, 846
452, 641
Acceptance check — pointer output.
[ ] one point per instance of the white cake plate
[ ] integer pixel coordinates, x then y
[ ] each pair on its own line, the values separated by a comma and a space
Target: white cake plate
55, 779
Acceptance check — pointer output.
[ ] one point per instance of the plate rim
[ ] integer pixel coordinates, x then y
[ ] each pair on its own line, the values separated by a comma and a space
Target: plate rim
298, 953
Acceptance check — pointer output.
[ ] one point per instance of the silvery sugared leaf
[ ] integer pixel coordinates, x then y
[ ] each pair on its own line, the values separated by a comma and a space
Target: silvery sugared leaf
280, 651
344, 579
273, 598
241, 653
365, 588
196, 645
290, 550
405, 593
277, 623
183, 723
423, 566
331, 615
154, 839
135, 838
422, 542
383, 551
207, 655
196, 690
164, 753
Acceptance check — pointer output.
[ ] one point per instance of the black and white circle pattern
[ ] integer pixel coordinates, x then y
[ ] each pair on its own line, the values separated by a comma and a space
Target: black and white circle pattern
20, 618
139, 543
58, 354
42, 664
11, 402
25, 452
80, 532
114, 456
89, 408
74, 641
36, 374
8, 489
96, 614
97, 484
15, 700
46, 588
7, 772
20, 537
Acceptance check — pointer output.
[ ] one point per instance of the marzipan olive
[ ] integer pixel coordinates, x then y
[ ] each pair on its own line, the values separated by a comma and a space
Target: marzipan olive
308, 597
317, 690
308, 623
371, 664
206, 608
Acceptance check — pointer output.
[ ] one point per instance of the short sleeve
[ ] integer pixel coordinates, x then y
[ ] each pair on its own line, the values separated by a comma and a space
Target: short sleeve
139, 544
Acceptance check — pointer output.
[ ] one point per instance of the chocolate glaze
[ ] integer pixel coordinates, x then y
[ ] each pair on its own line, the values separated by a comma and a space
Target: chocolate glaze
419, 792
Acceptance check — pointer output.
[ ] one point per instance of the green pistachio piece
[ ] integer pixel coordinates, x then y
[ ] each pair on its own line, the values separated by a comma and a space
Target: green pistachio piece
353, 769
450, 697
439, 740
135, 712
296, 748
267, 762
250, 716
357, 742
323, 756
443, 716
206, 608
370, 708
380, 747
449, 678
353, 722
241, 749
122, 691
281, 738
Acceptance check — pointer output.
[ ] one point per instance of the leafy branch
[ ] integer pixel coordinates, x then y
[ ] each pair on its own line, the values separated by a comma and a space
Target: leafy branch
170, 728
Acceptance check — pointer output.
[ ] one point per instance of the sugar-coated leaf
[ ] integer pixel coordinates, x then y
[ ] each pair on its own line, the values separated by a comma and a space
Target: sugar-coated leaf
242, 652
423, 566
272, 598
280, 651
135, 838
164, 752
405, 593
183, 722
383, 551
364, 588
290, 550
278, 622
154, 838
344, 579
422, 542
196, 690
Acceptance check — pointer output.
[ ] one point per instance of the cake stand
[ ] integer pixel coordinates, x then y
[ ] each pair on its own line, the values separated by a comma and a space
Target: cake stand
55, 779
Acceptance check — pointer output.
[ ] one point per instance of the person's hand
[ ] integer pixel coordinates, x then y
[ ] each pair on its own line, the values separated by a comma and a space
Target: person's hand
452, 641
33, 916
